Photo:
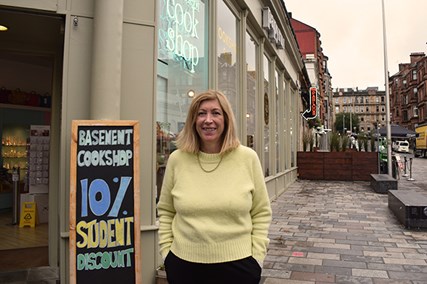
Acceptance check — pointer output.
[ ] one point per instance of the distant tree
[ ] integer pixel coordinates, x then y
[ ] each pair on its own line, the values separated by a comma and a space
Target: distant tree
355, 121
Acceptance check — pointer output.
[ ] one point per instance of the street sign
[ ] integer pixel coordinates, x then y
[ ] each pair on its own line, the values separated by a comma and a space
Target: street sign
311, 112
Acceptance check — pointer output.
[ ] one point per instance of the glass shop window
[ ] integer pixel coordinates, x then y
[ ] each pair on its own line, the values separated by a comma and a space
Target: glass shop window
182, 70
228, 67
266, 112
251, 91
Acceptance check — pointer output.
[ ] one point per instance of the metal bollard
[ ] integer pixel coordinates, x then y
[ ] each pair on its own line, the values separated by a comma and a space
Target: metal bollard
404, 168
410, 170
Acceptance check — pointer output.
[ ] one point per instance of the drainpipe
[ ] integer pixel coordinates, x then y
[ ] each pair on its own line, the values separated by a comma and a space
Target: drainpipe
106, 59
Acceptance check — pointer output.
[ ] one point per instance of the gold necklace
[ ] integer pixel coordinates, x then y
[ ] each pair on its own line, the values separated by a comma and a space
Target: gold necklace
208, 171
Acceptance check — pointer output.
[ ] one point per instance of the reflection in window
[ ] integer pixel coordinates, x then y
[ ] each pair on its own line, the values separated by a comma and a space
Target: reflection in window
227, 54
292, 130
251, 75
285, 117
266, 71
182, 68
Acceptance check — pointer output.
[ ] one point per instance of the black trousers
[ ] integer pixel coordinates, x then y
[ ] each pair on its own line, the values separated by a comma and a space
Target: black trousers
179, 271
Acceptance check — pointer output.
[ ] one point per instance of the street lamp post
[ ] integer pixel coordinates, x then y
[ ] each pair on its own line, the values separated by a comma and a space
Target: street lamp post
378, 146
387, 95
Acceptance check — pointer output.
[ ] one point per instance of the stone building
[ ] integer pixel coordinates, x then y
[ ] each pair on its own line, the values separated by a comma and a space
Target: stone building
368, 105
408, 99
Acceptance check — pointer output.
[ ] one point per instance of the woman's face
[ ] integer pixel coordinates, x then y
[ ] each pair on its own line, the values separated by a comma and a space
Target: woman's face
210, 125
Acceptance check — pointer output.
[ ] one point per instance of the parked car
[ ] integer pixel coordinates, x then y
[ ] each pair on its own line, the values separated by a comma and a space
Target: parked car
401, 146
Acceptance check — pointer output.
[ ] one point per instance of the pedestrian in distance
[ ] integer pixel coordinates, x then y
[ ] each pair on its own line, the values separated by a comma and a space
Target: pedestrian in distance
214, 210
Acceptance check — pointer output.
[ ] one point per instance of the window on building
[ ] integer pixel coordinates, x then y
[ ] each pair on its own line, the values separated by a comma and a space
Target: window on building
266, 113
362, 118
377, 108
337, 109
406, 100
382, 99
367, 100
286, 123
414, 75
405, 115
377, 99
415, 110
415, 92
181, 71
367, 109
227, 53
277, 122
382, 109
251, 89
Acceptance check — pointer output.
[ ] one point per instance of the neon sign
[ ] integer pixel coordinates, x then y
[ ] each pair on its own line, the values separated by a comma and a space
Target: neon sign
181, 31
311, 112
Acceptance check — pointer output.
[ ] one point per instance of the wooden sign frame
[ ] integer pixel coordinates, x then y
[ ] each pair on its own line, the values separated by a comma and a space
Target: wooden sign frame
110, 251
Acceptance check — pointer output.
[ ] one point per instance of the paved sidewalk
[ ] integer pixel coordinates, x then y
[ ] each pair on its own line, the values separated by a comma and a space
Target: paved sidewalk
344, 232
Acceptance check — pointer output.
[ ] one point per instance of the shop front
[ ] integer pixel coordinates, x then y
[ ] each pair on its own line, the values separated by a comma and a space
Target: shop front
141, 61
30, 72
246, 51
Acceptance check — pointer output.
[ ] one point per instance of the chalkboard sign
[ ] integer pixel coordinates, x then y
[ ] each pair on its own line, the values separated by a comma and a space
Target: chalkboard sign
104, 202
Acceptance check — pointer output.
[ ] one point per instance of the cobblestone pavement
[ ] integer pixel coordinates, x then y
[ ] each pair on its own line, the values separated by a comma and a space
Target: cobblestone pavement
344, 232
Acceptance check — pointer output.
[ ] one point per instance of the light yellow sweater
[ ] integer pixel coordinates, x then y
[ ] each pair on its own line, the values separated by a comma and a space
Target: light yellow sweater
214, 217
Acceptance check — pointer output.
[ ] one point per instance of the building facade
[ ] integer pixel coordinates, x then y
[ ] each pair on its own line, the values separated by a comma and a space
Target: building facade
408, 98
316, 63
143, 61
368, 105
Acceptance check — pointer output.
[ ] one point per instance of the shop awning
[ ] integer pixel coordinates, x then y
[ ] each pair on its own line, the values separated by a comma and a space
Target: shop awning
398, 131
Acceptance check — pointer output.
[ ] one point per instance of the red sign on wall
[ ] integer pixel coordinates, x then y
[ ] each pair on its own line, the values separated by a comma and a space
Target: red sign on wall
311, 112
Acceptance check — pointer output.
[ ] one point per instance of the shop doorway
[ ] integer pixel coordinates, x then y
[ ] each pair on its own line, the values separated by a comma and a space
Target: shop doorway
30, 79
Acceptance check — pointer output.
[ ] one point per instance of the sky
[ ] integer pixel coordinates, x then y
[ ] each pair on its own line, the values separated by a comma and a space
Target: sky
351, 32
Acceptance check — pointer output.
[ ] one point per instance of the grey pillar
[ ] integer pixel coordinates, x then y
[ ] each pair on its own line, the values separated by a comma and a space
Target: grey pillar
107, 59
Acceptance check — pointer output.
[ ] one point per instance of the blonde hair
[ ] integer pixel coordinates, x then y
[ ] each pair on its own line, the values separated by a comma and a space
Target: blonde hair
188, 139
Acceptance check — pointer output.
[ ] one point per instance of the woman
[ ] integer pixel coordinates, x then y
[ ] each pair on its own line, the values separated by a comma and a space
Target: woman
214, 208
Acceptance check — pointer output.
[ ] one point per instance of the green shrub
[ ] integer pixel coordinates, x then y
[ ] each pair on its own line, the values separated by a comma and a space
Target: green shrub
335, 142
344, 143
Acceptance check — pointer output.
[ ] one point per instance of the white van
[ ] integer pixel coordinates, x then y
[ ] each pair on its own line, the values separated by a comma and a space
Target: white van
401, 146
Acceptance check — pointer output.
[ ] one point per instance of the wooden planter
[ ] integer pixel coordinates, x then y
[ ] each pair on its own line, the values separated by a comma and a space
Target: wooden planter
348, 166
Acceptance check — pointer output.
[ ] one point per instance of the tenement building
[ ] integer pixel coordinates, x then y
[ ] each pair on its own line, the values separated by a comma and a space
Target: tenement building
368, 105
408, 99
